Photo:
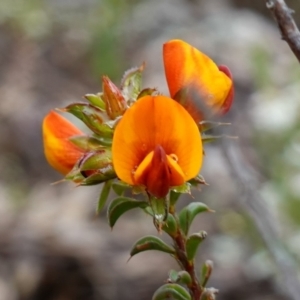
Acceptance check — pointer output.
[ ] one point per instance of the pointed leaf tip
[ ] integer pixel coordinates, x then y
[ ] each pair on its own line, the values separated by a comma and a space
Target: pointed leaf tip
188, 213
151, 243
119, 206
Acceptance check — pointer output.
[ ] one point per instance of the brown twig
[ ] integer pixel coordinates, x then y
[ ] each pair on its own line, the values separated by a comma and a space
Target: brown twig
287, 26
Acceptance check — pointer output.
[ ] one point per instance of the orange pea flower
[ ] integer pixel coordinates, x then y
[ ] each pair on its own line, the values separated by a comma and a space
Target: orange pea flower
156, 144
60, 153
192, 75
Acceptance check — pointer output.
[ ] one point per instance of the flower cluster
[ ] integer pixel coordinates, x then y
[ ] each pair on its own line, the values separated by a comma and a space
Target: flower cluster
149, 141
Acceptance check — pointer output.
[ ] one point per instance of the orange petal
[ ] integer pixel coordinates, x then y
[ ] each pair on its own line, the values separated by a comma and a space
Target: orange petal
153, 121
187, 68
60, 153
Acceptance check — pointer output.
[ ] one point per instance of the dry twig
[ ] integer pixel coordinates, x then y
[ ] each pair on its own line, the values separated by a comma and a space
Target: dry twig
287, 26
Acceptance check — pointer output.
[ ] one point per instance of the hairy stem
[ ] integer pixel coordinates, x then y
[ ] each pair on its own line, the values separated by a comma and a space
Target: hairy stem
189, 266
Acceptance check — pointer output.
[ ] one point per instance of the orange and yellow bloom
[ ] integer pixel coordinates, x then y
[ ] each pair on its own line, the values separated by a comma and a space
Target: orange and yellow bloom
156, 144
60, 152
191, 75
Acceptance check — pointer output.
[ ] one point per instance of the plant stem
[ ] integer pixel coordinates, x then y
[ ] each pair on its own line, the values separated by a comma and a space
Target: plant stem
189, 266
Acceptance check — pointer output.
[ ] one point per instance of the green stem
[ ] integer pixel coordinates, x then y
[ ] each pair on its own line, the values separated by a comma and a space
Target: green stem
189, 266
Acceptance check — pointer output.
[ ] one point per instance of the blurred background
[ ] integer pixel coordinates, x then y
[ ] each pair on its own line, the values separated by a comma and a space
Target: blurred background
52, 245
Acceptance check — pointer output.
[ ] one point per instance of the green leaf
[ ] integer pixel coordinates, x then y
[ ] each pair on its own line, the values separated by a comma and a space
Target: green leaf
193, 243
131, 83
207, 125
184, 277
120, 187
188, 213
174, 196
146, 92
99, 159
93, 117
86, 143
212, 138
99, 176
151, 242
171, 291
160, 208
209, 294
103, 195
169, 225
199, 179
183, 189
95, 100
173, 276
206, 272
119, 206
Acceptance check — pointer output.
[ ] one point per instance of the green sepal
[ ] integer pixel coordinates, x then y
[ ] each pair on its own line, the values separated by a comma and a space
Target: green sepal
147, 92
120, 187
209, 294
99, 176
212, 138
199, 179
174, 196
182, 277
188, 213
96, 100
171, 291
93, 117
103, 195
119, 206
207, 125
193, 242
169, 225
160, 209
173, 276
150, 242
86, 143
131, 83
96, 160
206, 272
183, 189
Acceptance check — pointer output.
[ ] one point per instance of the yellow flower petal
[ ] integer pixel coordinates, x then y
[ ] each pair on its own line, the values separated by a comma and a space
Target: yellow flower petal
154, 122
60, 153
190, 71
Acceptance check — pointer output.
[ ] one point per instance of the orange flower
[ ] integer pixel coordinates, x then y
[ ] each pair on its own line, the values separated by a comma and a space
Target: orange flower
60, 153
191, 74
156, 144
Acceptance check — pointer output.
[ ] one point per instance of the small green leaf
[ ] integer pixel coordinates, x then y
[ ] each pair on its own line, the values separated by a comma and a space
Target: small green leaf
93, 117
171, 291
212, 138
209, 294
99, 159
95, 100
131, 83
193, 243
120, 187
146, 92
160, 208
207, 125
188, 213
86, 143
173, 276
151, 242
174, 196
183, 189
184, 277
199, 179
206, 272
99, 176
119, 206
103, 195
